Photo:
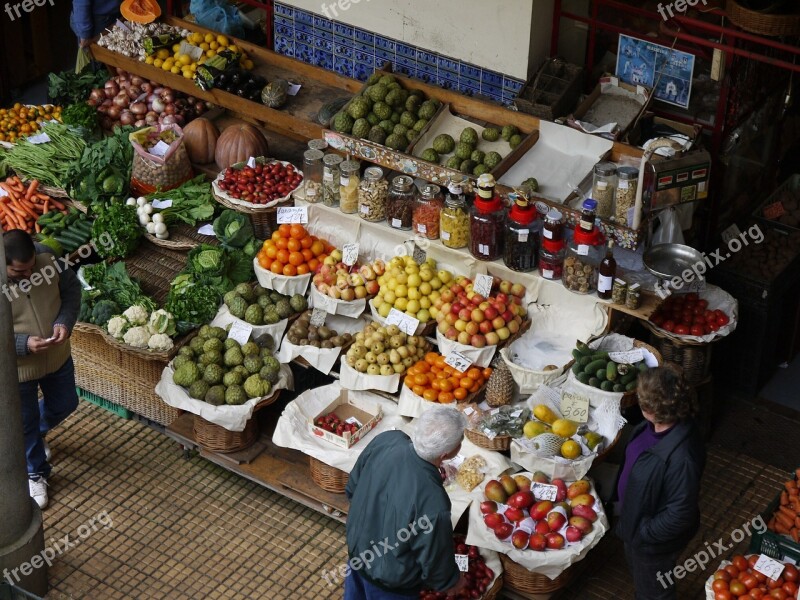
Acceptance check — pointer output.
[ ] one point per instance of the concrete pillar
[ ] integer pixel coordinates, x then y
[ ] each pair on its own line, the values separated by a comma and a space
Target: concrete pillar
21, 529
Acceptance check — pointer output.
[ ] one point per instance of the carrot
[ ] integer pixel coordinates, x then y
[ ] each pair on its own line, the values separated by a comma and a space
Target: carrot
37, 228
785, 510
31, 189
57, 204
793, 533
784, 521
46, 209
784, 498
780, 528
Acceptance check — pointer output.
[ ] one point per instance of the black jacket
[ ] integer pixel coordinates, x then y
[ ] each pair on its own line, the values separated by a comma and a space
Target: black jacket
660, 512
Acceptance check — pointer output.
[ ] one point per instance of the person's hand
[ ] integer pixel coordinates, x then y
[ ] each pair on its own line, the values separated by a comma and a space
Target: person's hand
60, 334
88, 42
38, 344
459, 587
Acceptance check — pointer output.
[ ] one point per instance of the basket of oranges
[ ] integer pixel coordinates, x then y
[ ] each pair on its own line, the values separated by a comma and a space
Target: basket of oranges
21, 120
288, 259
432, 381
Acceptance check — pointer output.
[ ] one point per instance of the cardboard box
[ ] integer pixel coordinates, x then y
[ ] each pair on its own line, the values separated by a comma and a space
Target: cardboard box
626, 100
345, 407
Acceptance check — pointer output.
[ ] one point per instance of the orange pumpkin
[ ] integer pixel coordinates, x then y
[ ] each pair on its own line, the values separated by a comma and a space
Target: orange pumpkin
140, 11
200, 138
238, 143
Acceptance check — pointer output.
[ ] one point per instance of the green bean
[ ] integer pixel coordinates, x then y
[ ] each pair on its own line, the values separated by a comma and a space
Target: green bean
50, 162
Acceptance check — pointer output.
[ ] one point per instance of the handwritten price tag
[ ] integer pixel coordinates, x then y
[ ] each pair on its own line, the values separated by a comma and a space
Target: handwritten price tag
318, 316
162, 204
407, 325
575, 407
350, 254
251, 162
458, 361
483, 285
544, 491
462, 560
193, 51
629, 357
160, 149
419, 255
240, 332
771, 211
206, 229
768, 566
457, 460
292, 214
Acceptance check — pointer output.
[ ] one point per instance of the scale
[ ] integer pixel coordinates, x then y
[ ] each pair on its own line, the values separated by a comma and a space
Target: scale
667, 261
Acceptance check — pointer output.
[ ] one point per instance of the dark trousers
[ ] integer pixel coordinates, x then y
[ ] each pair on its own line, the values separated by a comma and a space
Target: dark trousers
357, 587
652, 574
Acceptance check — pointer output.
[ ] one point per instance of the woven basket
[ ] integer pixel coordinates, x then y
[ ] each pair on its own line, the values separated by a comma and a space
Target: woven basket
693, 358
607, 450
499, 443
182, 237
630, 398
327, 477
264, 220
155, 267
762, 23
519, 579
493, 592
216, 438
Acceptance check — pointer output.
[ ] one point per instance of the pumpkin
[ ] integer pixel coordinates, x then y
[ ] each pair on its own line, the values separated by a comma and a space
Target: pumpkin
140, 11
200, 139
275, 94
238, 143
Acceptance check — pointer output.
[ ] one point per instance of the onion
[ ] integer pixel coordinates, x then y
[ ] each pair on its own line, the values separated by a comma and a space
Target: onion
147, 87
170, 109
140, 123
167, 120
136, 80
200, 107
91, 102
138, 108
158, 105
113, 112
151, 117
102, 109
180, 119
121, 100
111, 88
126, 117
98, 94
121, 71
168, 96
158, 90
134, 92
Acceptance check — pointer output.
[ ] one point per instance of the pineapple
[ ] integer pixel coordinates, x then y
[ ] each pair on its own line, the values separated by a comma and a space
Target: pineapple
500, 387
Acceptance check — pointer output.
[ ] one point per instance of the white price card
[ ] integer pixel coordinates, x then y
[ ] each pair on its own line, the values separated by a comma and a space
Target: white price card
483, 285
575, 407
354, 421
240, 332
407, 324
318, 316
251, 162
207, 229
294, 88
731, 233
39, 138
3, 192
489, 433
768, 566
628, 357
162, 204
160, 149
522, 237
419, 255
469, 410
292, 214
350, 254
462, 560
457, 460
458, 361
195, 52
583, 249
544, 491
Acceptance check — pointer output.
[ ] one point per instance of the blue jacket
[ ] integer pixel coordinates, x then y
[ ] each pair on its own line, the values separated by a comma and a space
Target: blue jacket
90, 17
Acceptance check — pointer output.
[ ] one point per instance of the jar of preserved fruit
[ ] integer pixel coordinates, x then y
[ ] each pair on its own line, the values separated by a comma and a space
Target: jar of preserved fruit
331, 175
427, 208
588, 214
582, 261
400, 207
486, 219
627, 186
522, 232
312, 175
604, 187
318, 144
348, 186
373, 194
551, 259
454, 218
553, 226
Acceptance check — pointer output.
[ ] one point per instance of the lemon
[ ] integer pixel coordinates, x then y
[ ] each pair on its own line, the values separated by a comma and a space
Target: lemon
233, 48
176, 69
176, 48
149, 60
222, 40
188, 73
185, 59
213, 45
204, 47
209, 38
193, 67
570, 449
162, 53
211, 53
196, 37
157, 62
248, 64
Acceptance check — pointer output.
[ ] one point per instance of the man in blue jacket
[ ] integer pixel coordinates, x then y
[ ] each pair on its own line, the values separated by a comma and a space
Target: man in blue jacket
89, 18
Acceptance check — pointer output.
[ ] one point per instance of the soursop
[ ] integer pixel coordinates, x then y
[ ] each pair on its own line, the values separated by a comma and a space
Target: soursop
515, 140
198, 390
427, 110
361, 128
377, 93
359, 107
508, 132
469, 136
216, 395
478, 156
373, 119
408, 119
343, 122
464, 150
246, 292
430, 155
387, 126
444, 143
237, 307
235, 395
492, 159
491, 134
298, 303
396, 142
254, 315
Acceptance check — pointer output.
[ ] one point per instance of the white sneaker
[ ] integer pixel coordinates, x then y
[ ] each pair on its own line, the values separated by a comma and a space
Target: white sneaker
47, 452
38, 491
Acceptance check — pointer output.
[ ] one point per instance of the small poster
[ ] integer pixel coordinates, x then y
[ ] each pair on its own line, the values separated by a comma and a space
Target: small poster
668, 72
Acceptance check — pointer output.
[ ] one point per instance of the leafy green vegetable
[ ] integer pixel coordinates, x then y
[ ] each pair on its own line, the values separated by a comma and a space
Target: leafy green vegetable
82, 116
52, 162
192, 303
233, 229
104, 169
191, 202
67, 87
111, 283
116, 230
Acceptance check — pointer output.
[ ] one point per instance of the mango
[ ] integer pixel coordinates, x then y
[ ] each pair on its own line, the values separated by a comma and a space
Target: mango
534, 428
544, 414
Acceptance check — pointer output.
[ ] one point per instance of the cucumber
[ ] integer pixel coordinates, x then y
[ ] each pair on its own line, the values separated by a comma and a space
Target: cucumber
642, 366
585, 360
577, 369
76, 238
594, 365
630, 387
594, 382
606, 386
618, 387
583, 348
577, 355
611, 370
623, 368
600, 355
83, 226
626, 379
67, 245
601, 374
583, 378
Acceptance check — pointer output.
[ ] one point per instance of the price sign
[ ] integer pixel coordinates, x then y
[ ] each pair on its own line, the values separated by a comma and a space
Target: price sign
162, 204
292, 214
354, 421
350, 254
544, 491
419, 255
469, 410
771, 211
629, 357
489, 433
407, 325
206, 229
483, 285
43, 138
240, 332
318, 316
768, 566
462, 560
458, 361
195, 52
575, 407
516, 414
583, 249
251, 162
294, 88
160, 149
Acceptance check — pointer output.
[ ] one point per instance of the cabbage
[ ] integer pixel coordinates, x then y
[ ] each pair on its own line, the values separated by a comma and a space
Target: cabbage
233, 229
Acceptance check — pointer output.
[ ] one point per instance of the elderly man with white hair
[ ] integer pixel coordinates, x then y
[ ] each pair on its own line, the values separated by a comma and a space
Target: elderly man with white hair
399, 534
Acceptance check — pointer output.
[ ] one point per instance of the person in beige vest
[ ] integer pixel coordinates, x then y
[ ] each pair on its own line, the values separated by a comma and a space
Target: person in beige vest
45, 297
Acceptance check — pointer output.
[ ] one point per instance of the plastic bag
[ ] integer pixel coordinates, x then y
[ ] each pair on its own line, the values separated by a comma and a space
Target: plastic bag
217, 15
82, 61
669, 228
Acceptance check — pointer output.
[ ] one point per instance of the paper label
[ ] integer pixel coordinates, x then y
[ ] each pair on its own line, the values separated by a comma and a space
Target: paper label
457, 460
293, 89
516, 414
458, 361
3, 193
483, 249
240, 332
318, 316
483, 285
771, 211
206, 229
769, 567
422, 228
469, 410
548, 234
292, 214
251, 162
327, 176
350, 254
731, 233
489, 433
547, 273
522, 236
194, 51
446, 236
364, 209
344, 180
39, 138
407, 324
419, 255
494, 411
622, 184
575, 407
354, 421
544, 491
462, 560
161, 204
628, 357
583, 249
160, 149
397, 223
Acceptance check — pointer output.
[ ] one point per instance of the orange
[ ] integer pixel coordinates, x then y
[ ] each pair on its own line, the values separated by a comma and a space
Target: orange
421, 379
418, 390
475, 387
289, 270
283, 256
430, 395
302, 269
313, 264
276, 267
307, 241
264, 262
487, 372
297, 231
460, 393
445, 385
423, 367
408, 383
282, 244
473, 373
276, 235
307, 254
271, 251
430, 358
293, 244
440, 362
296, 259
466, 382
317, 248
285, 230
446, 397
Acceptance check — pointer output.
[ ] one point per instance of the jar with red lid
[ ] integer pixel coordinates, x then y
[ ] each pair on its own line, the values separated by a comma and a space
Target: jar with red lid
551, 259
522, 232
582, 261
486, 220
427, 207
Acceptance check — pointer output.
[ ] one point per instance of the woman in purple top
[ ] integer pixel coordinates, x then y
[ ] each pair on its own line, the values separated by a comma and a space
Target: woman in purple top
659, 482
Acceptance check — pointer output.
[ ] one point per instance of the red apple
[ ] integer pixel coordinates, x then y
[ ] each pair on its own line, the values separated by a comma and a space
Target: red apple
520, 539
501, 307
492, 339
465, 314
555, 541
507, 316
456, 289
542, 528
518, 290
477, 341
491, 313
485, 327
456, 308
513, 326
447, 296
464, 338
452, 334
498, 322
540, 509
505, 286
573, 534
580, 523
587, 512
488, 507
503, 530
451, 318
472, 328
373, 287
537, 542
477, 315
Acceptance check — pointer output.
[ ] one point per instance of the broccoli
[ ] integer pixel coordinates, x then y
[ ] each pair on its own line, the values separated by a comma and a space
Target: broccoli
103, 311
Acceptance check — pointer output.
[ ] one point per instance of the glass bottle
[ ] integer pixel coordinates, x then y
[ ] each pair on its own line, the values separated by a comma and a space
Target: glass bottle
551, 259
608, 270
427, 208
400, 207
454, 218
348, 186
312, 175
582, 260
373, 194
331, 175
522, 232
486, 221
604, 187
553, 228
625, 200
318, 144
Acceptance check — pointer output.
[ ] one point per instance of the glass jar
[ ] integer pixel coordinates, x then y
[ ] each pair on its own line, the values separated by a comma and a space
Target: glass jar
348, 186
331, 175
486, 219
522, 232
454, 218
312, 175
604, 186
625, 199
320, 145
553, 227
633, 298
400, 207
582, 261
551, 259
619, 291
588, 214
427, 208
373, 193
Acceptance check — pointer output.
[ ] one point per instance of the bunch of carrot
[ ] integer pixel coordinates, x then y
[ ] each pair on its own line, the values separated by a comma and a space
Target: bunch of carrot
786, 519
21, 204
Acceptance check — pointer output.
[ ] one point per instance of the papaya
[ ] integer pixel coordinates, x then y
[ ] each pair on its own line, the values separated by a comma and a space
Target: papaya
140, 11
544, 414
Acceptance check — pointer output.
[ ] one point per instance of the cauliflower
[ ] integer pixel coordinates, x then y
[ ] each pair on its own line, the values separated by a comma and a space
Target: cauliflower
117, 326
160, 342
136, 315
162, 322
137, 336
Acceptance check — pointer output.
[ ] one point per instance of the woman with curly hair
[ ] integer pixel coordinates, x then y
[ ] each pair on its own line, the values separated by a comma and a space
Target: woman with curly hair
659, 482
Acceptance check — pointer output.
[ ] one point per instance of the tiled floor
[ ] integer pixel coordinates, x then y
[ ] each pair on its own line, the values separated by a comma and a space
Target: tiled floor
183, 528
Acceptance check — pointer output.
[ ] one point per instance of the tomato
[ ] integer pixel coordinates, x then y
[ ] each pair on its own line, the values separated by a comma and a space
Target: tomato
748, 579
720, 585
682, 329
774, 584
790, 572
732, 571
790, 587
723, 319
713, 326
697, 330
737, 588
740, 562
778, 594
722, 574
668, 325
723, 595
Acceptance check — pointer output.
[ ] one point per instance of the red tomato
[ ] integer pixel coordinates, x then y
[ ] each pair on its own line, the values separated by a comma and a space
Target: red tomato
778, 594
723, 319
723, 595
713, 326
702, 303
668, 325
737, 587
682, 329
697, 330
790, 572
719, 585
790, 587
732, 571
775, 584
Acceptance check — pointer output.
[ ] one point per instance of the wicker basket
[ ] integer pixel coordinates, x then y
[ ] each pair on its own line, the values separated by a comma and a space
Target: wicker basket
762, 23
264, 220
182, 237
216, 438
519, 579
327, 477
499, 443
630, 398
692, 357
493, 592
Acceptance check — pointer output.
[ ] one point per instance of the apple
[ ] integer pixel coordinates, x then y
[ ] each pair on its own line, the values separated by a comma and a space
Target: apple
460, 325
561, 495
442, 327
456, 308
484, 305
582, 524
540, 509
522, 500
501, 307
379, 267
452, 334
361, 292
498, 322
464, 338
492, 339
348, 294
503, 530
506, 316
488, 507
456, 289
322, 288
573, 534
556, 520
448, 296
542, 528
472, 328
485, 327
518, 290
587, 512
537, 542
520, 539
477, 315
373, 287
491, 313
335, 292
555, 541
477, 341
504, 333
450, 319
492, 520
513, 326
505, 286
515, 515
501, 297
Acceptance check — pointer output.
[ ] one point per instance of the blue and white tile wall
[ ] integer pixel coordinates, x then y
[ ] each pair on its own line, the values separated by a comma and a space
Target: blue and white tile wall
355, 53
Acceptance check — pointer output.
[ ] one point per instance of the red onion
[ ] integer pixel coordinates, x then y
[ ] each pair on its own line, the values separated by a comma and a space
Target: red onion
134, 92
168, 96
92, 102
151, 117
167, 120
147, 87
113, 112
136, 80
158, 90
98, 94
158, 105
111, 88
138, 108
170, 109
121, 100
126, 117
140, 123
102, 109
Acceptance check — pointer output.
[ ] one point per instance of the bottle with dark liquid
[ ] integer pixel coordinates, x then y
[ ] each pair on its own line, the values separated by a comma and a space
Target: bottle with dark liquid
608, 270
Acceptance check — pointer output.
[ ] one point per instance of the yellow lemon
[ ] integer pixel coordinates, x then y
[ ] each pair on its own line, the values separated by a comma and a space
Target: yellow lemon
213, 45
196, 37
204, 47
176, 69
188, 73
570, 449
162, 53
209, 38
248, 64
211, 53
149, 60
233, 48
222, 40
176, 48
158, 62
185, 59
